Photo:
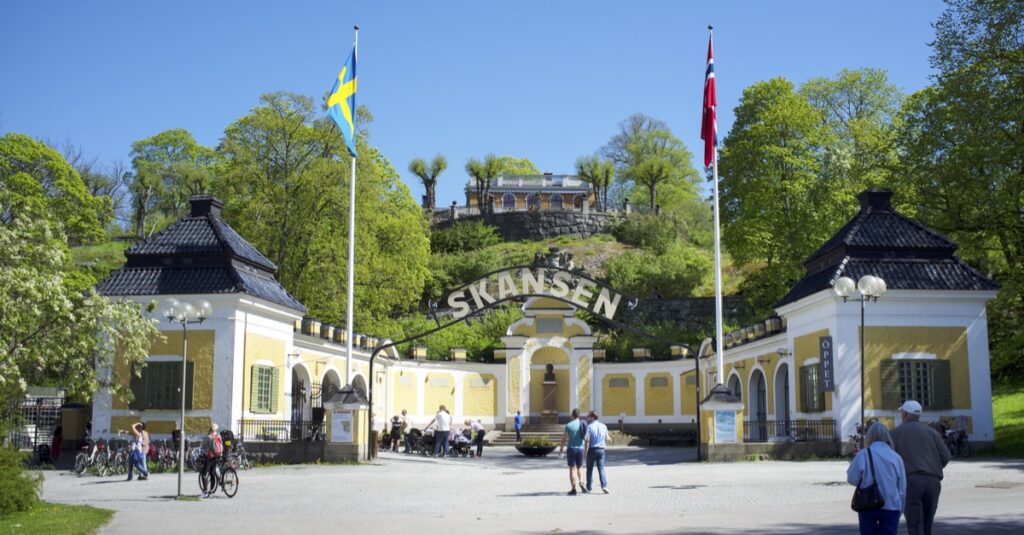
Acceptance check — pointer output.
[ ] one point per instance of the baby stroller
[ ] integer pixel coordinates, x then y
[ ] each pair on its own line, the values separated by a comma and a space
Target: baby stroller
462, 444
418, 442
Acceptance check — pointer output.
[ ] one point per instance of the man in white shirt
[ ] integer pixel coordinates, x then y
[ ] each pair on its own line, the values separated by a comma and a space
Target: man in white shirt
442, 425
594, 444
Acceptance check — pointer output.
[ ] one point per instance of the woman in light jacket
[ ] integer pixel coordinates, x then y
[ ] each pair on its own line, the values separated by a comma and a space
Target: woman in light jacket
888, 470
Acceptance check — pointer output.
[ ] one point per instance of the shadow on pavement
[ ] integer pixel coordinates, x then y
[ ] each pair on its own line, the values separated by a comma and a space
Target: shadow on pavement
958, 525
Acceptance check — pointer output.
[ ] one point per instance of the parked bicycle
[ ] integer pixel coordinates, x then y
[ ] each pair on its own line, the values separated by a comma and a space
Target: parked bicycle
119, 454
93, 455
237, 457
226, 477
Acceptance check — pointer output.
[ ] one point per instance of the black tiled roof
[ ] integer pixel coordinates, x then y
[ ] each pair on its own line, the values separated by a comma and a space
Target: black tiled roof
199, 254
199, 235
882, 242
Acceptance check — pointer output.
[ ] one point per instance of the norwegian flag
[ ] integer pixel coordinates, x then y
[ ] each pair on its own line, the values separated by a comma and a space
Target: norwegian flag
709, 123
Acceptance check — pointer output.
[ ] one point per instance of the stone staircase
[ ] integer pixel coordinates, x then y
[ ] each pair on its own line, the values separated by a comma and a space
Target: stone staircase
552, 433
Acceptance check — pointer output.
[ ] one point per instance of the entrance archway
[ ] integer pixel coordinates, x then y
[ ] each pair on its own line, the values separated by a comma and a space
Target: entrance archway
782, 400
359, 384
301, 390
734, 386
330, 384
758, 407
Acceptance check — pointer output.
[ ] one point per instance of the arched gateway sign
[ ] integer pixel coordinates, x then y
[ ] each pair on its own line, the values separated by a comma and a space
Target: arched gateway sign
551, 275
520, 282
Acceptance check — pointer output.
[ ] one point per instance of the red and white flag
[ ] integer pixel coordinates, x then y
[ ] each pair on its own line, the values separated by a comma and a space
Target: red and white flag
709, 124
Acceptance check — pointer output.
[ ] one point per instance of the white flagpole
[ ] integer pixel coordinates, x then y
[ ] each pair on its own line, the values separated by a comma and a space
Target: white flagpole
720, 348
351, 244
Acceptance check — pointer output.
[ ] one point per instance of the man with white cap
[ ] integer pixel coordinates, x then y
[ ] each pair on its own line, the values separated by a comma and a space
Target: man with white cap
924, 455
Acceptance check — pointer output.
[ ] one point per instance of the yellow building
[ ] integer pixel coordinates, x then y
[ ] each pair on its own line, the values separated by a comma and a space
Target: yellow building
258, 366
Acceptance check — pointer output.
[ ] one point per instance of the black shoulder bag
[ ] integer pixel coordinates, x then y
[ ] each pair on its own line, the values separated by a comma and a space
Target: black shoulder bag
868, 498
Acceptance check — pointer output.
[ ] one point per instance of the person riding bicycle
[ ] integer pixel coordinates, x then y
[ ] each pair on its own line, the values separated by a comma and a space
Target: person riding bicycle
213, 446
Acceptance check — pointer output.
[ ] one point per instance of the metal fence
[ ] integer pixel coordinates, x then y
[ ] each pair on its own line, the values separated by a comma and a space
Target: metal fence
790, 430
267, 430
31, 421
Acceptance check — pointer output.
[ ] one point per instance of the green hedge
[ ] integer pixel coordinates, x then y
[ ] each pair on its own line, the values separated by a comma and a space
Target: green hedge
19, 488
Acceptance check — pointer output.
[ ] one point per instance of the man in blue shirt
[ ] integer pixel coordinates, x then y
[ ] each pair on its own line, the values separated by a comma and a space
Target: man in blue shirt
519, 426
575, 432
597, 435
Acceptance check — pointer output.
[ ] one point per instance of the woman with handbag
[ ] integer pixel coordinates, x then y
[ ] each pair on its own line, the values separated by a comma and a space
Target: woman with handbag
881, 480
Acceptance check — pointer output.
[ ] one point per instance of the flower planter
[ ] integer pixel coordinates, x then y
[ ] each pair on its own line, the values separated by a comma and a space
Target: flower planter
535, 451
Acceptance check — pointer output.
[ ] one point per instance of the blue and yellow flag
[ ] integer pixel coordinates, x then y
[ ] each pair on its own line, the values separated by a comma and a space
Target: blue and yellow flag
341, 104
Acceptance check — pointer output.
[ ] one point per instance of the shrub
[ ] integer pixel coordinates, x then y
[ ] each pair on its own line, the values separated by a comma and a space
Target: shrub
19, 488
463, 236
536, 442
673, 274
648, 231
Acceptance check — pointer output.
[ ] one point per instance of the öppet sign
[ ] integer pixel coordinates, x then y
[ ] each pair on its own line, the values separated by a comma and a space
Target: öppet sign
828, 374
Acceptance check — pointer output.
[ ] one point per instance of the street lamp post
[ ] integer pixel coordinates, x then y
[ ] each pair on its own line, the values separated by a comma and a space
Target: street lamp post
868, 288
185, 314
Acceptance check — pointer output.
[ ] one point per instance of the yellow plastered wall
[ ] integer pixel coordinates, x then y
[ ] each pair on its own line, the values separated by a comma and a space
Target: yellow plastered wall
200, 353
264, 348
806, 347
573, 330
404, 384
618, 401
658, 400
946, 343
537, 390
438, 389
688, 395
479, 394
514, 385
549, 355
583, 384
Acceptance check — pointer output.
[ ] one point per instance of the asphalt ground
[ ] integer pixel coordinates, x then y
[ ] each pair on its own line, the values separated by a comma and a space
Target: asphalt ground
652, 490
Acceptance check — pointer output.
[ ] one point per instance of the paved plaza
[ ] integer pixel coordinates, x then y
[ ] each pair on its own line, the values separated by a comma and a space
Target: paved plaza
504, 492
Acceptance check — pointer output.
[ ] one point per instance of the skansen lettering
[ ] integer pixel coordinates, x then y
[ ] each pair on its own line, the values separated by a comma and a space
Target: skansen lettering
532, 282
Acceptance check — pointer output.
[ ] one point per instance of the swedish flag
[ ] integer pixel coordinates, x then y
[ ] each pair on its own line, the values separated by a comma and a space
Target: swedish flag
341, 104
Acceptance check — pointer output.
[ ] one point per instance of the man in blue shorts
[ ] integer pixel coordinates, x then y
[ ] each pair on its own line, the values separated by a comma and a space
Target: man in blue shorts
575, 432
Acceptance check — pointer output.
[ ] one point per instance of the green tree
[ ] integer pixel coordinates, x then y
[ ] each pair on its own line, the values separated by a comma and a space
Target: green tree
647, 155
483, 172
599, 173
774, 214
516, 166
671, 274
169, 168
285, 184
35, 178
428, 175
962, 148
858, 149
53, 328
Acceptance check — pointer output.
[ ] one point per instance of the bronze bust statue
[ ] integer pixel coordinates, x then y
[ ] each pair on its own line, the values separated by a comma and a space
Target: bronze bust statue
549, 373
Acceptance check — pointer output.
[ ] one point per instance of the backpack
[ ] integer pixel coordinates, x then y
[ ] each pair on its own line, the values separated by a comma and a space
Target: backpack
216, 447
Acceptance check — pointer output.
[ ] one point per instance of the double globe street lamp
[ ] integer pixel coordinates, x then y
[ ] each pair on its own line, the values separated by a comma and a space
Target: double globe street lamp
868, 288
185, 314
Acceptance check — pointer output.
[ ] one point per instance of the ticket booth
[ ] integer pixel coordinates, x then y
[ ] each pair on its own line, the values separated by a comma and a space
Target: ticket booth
347, 412
721, 426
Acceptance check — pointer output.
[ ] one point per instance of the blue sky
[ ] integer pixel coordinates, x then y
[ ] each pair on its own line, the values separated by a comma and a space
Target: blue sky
544, 80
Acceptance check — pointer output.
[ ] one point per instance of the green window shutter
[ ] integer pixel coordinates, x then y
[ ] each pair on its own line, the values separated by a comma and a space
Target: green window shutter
190, 376
942, 395
891, 394
274, 380
803, 389
819, 392
138, 386
254, 378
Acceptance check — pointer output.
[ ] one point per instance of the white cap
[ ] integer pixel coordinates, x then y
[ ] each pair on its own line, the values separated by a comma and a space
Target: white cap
911, 407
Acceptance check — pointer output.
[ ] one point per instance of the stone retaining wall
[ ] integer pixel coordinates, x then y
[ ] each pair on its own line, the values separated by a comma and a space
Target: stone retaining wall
544, 224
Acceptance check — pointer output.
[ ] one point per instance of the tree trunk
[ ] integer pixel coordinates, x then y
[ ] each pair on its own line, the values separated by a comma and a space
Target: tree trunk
654, 202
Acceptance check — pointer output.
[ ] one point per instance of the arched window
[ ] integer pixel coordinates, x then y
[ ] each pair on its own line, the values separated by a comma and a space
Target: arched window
508, 202
533, 201
734, 387
577, 201
555, 201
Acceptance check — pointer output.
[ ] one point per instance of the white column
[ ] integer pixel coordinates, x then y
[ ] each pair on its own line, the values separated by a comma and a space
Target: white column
639, 377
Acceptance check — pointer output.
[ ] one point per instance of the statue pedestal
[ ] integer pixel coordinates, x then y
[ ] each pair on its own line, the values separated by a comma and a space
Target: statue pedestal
549, 416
